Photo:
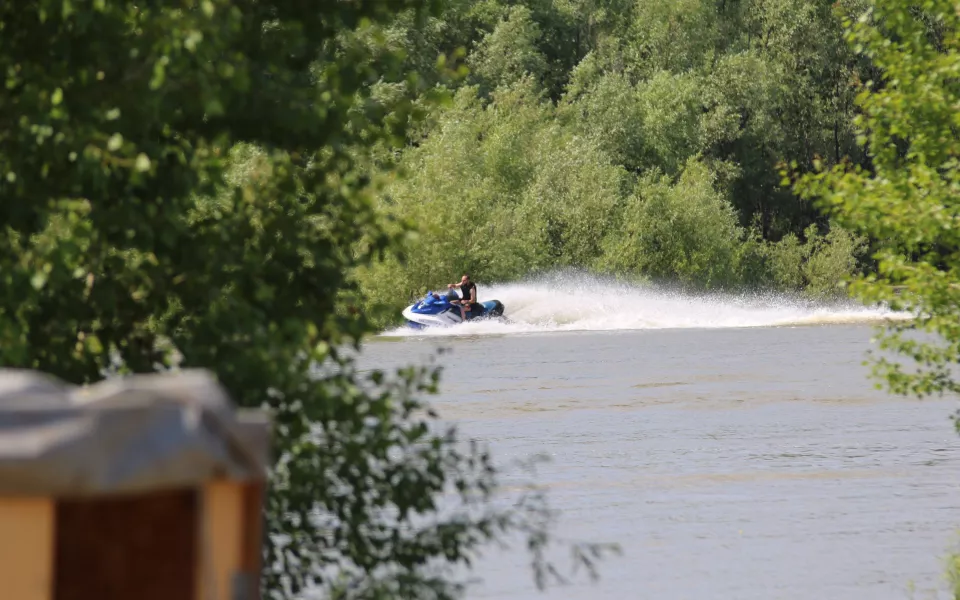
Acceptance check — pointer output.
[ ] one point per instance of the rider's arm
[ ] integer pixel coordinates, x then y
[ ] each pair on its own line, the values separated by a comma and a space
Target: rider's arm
473, 294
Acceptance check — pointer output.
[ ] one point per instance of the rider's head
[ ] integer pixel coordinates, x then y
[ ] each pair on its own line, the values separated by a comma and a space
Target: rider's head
465, 278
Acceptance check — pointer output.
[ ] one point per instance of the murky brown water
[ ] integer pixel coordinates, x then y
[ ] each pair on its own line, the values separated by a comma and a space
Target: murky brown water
728, 463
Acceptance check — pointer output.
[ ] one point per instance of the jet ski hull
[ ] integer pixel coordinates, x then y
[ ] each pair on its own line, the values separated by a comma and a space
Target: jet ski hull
438, 311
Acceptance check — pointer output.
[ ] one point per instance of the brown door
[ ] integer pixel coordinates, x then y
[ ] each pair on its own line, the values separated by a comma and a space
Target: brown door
140, 547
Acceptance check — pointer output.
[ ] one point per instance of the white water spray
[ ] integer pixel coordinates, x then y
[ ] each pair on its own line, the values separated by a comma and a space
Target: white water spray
586, 303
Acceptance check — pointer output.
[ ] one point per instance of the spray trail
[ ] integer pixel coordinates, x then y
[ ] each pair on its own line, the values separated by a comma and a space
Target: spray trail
585, 303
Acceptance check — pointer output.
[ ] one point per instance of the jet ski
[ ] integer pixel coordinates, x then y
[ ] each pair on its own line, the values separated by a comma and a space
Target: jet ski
435, 310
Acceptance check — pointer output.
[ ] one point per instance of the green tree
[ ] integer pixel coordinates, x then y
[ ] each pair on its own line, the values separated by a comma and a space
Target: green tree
509, 52
818, 266
685, 230
909, 201
183, 186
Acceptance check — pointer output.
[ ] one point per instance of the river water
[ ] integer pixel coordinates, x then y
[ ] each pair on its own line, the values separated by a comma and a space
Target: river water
734, 448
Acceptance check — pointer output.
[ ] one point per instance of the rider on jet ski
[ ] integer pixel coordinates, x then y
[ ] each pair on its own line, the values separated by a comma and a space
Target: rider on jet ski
468, 293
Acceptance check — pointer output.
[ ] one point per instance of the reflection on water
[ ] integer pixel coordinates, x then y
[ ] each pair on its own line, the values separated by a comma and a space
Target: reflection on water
739, 463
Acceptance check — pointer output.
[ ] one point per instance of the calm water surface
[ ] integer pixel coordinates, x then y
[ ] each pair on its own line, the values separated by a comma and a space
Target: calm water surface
754, 463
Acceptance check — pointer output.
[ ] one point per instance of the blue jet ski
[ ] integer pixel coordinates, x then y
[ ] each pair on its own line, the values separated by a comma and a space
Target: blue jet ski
435, 310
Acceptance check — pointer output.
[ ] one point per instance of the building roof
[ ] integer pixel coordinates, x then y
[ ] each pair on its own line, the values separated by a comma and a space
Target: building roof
123, 435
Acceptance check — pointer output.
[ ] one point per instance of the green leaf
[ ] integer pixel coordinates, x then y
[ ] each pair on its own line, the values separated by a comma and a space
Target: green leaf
143, 163
38, 280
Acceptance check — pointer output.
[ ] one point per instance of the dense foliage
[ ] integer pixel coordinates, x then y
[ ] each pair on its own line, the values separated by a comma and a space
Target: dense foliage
635, 138
184, 184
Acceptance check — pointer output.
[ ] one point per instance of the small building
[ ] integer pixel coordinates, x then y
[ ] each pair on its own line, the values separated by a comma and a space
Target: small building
146, 487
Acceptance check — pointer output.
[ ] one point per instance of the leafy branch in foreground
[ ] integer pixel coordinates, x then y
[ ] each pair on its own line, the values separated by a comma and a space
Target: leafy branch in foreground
183, 185
909, 201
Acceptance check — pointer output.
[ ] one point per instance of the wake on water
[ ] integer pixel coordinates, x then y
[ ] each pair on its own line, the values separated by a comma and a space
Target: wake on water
585, 303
